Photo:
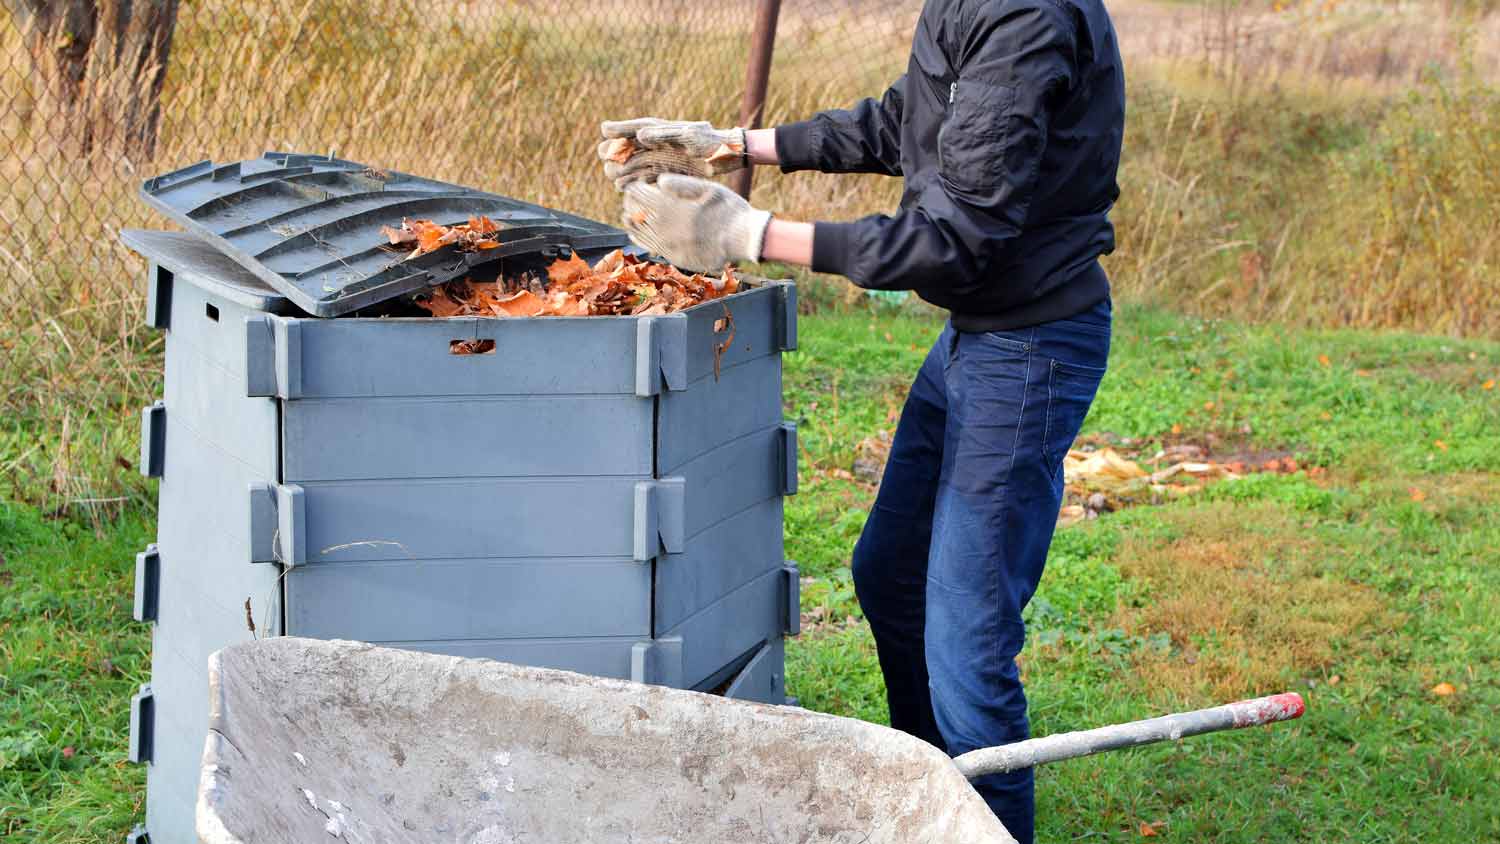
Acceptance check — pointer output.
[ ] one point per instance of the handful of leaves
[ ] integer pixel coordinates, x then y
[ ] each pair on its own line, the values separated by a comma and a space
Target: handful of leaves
618, 285
423, 236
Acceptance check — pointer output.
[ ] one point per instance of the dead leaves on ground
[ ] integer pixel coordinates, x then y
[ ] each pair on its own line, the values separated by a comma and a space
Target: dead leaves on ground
423, 236
1102, 479
618, 285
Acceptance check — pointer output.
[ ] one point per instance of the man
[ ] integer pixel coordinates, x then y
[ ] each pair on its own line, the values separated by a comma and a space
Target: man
1006, 129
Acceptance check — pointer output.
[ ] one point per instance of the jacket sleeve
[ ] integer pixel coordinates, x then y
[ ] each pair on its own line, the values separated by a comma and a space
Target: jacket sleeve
1018, 57
862, 139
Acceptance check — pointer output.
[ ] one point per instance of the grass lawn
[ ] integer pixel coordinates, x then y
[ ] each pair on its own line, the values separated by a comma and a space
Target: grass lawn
1362, 585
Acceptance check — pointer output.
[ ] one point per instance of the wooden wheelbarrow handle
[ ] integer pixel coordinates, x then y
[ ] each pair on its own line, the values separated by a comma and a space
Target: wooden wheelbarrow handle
1037, 751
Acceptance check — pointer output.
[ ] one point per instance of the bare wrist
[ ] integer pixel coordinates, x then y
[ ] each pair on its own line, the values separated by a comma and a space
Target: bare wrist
788, 242
760, 146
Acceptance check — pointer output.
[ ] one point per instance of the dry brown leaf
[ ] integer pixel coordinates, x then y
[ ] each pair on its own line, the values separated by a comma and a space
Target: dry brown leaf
523, 304
568, 270
423, 236
619, 150
618, 284
726, 152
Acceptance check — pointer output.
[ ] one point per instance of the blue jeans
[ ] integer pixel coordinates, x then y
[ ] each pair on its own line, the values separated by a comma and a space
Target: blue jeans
956, 542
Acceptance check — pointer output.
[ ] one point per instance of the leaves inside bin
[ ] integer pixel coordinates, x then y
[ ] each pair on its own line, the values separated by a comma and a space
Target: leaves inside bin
618, 285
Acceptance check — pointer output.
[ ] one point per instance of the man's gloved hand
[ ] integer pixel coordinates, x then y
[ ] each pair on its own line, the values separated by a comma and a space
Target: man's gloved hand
696, 224
654, 147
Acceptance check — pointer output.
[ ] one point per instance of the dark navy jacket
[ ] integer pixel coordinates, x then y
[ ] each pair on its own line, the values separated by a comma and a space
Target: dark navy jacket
1006, 129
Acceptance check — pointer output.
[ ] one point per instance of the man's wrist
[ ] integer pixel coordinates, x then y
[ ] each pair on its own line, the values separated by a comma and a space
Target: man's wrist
788, 242
760, 146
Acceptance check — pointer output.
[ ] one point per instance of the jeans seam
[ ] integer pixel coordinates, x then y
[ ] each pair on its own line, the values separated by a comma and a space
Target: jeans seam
1047, 423
1010, 470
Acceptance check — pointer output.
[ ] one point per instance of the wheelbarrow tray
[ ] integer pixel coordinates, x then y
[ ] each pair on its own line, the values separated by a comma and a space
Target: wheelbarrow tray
310, 739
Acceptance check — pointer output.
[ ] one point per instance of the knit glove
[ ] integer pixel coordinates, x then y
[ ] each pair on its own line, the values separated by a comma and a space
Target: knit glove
696, 224
644, 148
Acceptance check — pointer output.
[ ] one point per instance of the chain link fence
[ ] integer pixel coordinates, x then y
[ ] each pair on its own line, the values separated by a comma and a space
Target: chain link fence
503, 95
506, 95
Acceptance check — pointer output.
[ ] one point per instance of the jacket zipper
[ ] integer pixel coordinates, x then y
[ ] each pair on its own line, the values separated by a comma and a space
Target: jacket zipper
952, 92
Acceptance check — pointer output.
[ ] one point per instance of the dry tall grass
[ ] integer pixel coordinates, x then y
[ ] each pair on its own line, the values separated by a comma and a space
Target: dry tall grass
1286, 163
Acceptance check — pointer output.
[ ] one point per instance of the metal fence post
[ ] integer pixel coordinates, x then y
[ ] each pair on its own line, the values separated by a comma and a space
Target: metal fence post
757, 75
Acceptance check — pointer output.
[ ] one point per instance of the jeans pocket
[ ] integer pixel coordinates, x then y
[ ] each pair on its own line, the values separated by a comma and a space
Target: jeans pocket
1070, 392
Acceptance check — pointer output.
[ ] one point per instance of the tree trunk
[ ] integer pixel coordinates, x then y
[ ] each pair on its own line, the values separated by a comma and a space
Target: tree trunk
104, 62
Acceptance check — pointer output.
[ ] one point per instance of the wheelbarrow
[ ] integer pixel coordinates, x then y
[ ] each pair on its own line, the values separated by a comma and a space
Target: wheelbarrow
318, 741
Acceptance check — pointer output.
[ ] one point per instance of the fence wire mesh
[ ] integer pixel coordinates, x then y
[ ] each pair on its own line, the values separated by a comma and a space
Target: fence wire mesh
502, 95
506, 95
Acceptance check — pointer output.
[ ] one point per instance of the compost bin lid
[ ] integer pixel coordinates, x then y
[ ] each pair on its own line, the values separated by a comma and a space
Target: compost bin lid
309, 225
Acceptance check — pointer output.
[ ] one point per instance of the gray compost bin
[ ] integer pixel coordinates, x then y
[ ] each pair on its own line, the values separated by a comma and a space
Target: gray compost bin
599, 494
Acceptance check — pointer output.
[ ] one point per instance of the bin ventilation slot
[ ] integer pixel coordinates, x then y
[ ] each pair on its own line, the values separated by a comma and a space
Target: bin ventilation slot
309, 225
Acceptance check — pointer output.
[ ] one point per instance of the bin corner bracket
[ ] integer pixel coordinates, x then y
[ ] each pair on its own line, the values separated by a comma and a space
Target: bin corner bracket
278, 524
147, 583
273, 356
142, 724
154, 439
786, 324
658, 662
659, 518
159, 297
660, 354
791, 584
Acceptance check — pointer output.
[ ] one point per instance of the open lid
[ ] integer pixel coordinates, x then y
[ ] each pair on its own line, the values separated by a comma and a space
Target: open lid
309, 225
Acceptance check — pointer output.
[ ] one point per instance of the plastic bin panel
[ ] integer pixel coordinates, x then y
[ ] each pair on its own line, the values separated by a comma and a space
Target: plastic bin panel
718, 561
764, 679
344, 439
220, 340
731, 626
745, 398
731, 478
469, 599
211, 401
413, 357
757, 324
469, 518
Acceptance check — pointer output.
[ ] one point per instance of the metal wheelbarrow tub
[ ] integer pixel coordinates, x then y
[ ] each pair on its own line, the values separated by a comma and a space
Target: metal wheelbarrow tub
312, 741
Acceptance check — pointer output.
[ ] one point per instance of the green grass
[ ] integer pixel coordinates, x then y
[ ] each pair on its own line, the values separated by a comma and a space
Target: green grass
1344, 577
1343, 586
70, 658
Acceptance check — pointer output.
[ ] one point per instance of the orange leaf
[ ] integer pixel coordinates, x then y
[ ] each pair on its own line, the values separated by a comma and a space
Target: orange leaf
1148, 830
1323, 359
726, 152
1176, 429
568, 270
1417, 494
619, 150
1439, 445
522, 304
1489, 385
1443, 689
